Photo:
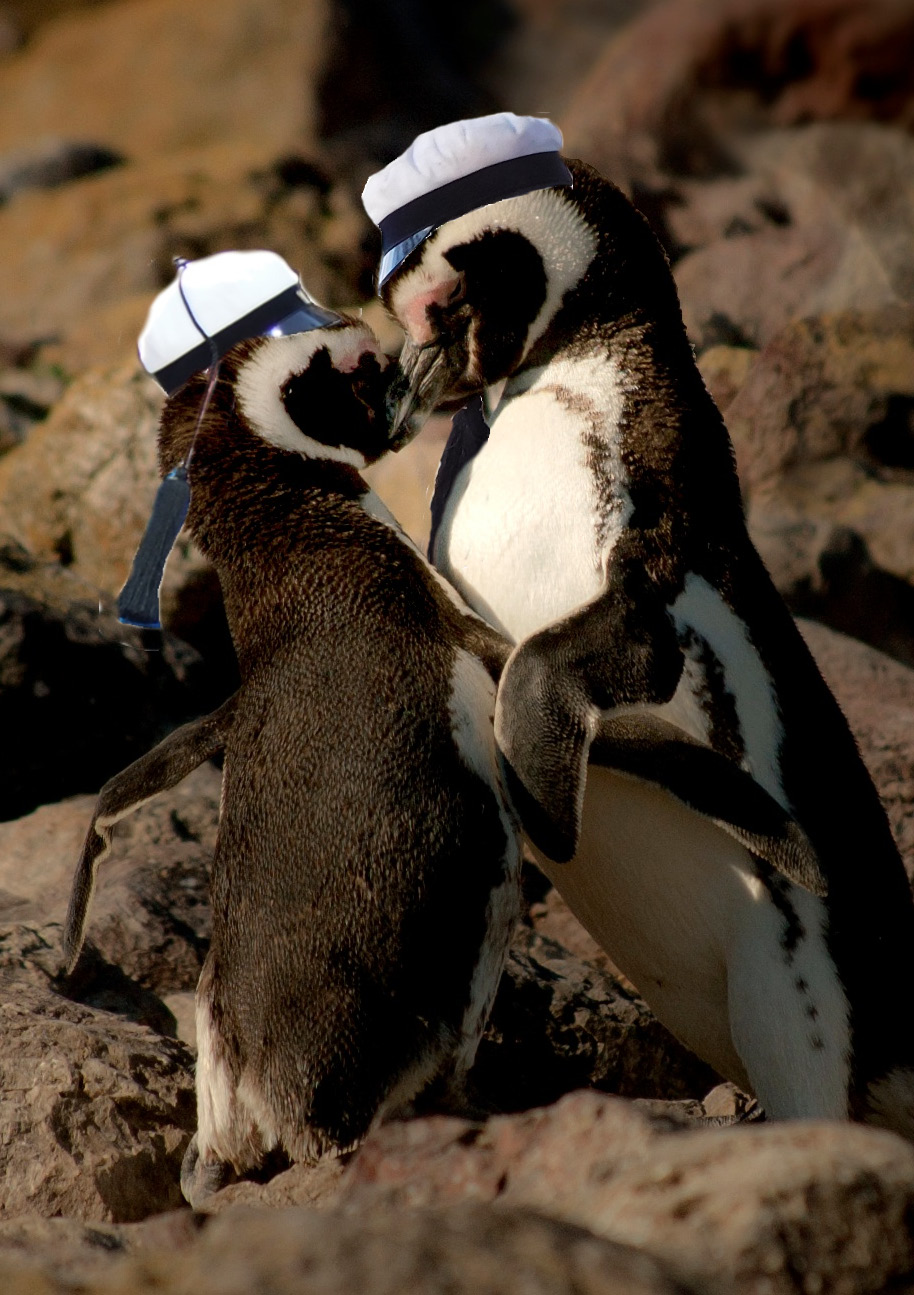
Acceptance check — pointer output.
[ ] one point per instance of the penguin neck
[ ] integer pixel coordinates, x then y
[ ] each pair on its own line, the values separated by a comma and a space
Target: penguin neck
647, 355
267, 521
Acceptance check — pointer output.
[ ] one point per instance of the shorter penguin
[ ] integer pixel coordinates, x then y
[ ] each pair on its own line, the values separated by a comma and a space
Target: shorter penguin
365, 878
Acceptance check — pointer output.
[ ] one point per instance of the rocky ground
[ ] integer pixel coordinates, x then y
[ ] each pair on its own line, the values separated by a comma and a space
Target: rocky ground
769, 142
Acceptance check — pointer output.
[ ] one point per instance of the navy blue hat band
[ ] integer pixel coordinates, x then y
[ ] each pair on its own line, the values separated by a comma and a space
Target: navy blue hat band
291, 306
510, 179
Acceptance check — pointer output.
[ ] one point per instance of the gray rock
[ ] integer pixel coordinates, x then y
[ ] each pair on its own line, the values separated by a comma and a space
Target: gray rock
468, 1250
79, 692
150, 916
559, 1023
808, 1206
877, 696
847, 194
96, 1111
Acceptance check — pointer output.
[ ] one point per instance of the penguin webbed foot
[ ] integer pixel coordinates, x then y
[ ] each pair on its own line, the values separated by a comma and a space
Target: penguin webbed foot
201, 1179
753, 1114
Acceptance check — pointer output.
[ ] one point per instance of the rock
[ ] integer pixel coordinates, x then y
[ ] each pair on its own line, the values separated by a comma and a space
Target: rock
823, 427
877, 696
316, 1186
47, 163
150, 915
742, 1209
96, 1111
469, 1250
724, 370
828, 386
81, 489
826, 572
551, 916
559, 1024
845, 195
73, 1251
81, 694
687, 72
174, 78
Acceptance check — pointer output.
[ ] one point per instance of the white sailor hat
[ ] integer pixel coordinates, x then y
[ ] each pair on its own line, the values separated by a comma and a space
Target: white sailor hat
456, 168
218, 301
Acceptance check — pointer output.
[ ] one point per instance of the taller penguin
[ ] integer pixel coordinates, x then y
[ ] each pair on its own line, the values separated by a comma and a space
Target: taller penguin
731, 852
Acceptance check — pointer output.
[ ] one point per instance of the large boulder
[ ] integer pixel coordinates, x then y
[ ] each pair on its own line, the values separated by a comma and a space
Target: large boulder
468, 1250
877, 696
174, 77
560, 1023
686, 72
731, 1210
843, 197
96, 1110
150, 915
823, 428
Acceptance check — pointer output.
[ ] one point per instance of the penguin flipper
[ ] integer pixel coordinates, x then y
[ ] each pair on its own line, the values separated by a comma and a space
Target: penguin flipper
556, 687
649, 748
161, 768
555, 713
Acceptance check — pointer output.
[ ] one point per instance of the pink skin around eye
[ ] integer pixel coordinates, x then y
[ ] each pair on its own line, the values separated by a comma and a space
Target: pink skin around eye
415, 312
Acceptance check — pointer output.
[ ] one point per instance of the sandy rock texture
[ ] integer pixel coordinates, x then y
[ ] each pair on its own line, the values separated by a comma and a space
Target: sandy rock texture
96, 1111
725, 1209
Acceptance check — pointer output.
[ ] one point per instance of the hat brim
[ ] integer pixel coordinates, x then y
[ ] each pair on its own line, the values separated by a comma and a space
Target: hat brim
395, 256
290, 312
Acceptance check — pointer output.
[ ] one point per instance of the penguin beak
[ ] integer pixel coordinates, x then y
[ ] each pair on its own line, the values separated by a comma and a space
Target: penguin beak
425, 374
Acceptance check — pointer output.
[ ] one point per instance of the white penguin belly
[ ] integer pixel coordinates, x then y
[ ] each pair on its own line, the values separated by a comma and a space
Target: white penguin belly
659, 888
519, 534
744, 980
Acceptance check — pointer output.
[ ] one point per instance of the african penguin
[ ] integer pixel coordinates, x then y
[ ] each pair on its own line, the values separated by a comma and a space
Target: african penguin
597, 522
365, 878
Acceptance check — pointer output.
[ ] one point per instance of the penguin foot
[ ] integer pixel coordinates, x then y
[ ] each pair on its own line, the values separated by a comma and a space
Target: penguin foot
201, 1179
753, 1114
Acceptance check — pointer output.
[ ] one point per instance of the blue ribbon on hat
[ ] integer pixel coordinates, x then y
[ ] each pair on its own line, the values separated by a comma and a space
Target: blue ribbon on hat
138, 601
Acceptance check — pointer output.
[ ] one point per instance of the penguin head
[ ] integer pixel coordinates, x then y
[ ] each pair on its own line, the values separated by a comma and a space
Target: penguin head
319, 394
477, 294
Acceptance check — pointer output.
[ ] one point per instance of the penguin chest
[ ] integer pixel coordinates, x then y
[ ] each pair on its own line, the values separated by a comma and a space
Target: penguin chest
525, 531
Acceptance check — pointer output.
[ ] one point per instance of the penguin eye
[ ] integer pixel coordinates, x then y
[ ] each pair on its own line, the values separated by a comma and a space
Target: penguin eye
458, 292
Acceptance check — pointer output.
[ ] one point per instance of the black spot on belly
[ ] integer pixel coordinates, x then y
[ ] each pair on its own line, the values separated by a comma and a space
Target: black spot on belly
817, 1043
812, 1012
793, 930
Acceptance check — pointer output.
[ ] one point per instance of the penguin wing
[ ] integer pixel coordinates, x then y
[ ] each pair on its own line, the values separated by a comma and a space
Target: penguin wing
162, 767
648, 748
620, 650
552, 720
